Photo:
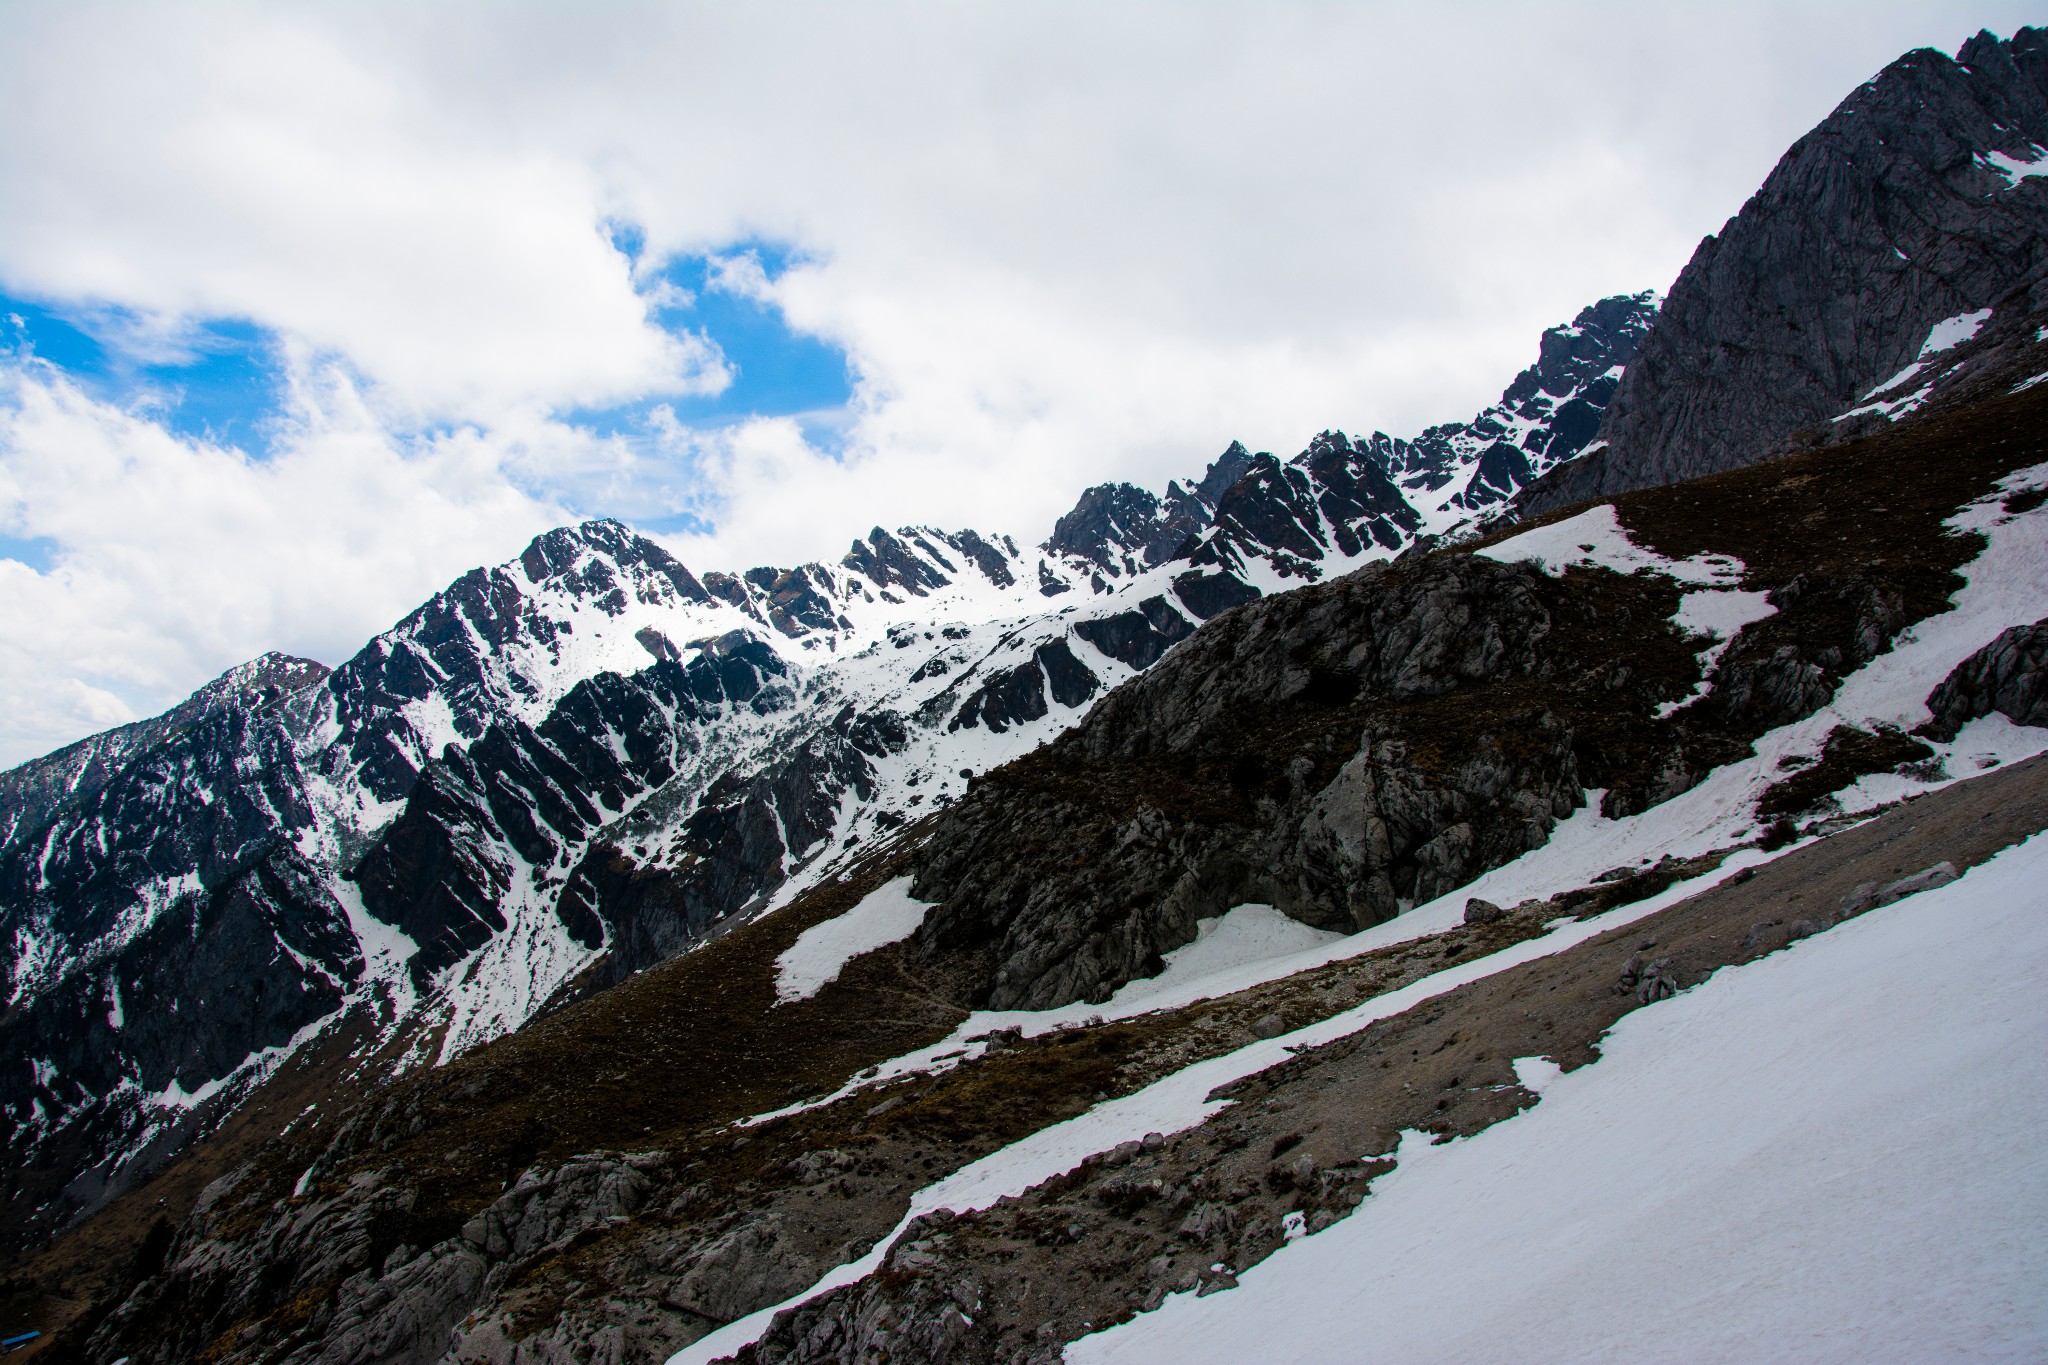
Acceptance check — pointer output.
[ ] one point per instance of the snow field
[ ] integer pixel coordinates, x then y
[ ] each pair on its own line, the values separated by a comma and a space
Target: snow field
1179, 1101
1831, 1154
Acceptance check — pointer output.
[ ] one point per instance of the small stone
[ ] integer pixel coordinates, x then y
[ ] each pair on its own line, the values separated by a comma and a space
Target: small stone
1941, 874
1271, 1026
1478, 911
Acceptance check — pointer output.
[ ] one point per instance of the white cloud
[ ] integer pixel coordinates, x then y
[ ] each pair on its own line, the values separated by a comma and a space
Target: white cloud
242, 162
1059, 243
178, 559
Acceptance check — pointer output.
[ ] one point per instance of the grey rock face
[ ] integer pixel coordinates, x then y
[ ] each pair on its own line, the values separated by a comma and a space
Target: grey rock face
922, 1315
1137, 638
1122, 529
177, 930
1479, 911
1341, 498
1335, 836
454, 647
547, 1208
1548, 415
31, 794
1020, 693
749, 829
2009, 676
1889, 217
437, 872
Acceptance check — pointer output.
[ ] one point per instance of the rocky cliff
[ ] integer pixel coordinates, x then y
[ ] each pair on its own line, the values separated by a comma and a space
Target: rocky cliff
1920, 202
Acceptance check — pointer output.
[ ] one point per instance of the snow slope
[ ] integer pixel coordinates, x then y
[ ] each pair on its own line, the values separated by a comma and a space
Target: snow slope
1831, 1154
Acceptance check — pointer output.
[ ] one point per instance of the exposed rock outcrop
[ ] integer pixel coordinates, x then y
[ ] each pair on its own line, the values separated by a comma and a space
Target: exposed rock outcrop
2008, 676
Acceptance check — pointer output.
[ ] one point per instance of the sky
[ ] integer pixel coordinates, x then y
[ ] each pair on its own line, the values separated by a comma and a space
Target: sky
306, 309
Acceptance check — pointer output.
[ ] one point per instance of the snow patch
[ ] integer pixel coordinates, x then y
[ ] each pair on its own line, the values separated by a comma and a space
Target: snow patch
1719, 615
1595, 539
2012, 168
1950, 333
888, 914
1249, 937
1534, 1074
1945, 335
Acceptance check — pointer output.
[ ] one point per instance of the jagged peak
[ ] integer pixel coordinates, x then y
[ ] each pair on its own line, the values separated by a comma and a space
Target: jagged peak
264, 678
560, 558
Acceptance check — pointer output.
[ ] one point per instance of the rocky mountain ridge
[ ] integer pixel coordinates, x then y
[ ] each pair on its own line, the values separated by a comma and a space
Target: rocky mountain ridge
560, 770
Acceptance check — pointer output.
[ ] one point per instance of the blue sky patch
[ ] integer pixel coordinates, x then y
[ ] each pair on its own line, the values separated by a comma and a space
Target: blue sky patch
217, 381
221, 380
38, 552
776, 372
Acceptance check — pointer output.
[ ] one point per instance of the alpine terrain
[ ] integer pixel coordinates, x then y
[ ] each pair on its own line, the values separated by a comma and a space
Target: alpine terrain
1247, 922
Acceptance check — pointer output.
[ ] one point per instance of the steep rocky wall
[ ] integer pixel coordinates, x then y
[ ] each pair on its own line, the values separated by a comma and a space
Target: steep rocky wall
1886, 219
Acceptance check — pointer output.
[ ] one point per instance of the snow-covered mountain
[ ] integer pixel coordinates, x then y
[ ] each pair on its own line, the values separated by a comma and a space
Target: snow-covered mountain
1143, 899
565, 768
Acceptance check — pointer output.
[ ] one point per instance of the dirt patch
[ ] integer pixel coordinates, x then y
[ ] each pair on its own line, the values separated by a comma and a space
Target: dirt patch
1848, 754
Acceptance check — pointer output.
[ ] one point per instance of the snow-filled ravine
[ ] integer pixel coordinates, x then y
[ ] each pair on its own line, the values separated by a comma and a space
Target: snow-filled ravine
1831, 1154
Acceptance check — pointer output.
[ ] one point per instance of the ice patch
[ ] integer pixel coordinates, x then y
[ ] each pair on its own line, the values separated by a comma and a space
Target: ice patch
888, 914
